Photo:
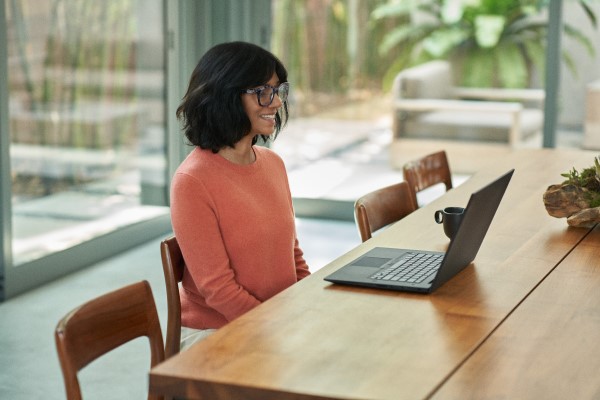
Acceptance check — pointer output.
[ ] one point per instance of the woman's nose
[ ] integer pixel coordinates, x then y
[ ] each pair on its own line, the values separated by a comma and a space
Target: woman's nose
277, 103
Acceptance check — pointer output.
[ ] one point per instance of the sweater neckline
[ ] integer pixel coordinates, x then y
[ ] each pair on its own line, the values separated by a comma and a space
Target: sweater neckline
239, 168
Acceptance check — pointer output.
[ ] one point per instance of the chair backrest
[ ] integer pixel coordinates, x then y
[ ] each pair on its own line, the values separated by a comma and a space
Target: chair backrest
382, 207
173, 266
103, 324
426, 172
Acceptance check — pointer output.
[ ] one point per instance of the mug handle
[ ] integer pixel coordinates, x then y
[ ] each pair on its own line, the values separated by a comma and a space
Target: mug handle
438, 216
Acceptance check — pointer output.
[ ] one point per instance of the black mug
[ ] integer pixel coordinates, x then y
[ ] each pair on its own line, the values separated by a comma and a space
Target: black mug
451, 218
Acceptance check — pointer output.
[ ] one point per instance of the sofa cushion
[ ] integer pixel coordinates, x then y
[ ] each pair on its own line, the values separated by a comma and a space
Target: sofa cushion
432, 80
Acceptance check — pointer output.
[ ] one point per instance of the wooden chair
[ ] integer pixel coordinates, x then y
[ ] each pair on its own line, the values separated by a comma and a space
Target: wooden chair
381, 207
173, 266
427, 171
103, 324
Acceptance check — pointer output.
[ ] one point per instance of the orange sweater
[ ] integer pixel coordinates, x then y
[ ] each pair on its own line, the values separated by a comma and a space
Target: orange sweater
236, 229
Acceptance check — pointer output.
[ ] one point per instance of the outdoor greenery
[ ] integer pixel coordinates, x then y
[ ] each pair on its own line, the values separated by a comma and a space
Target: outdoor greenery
328, 48
70, 90
501, 43
345, 50
66, 61
79, 45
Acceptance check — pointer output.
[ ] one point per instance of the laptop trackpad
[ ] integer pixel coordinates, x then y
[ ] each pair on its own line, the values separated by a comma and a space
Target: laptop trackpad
371, 262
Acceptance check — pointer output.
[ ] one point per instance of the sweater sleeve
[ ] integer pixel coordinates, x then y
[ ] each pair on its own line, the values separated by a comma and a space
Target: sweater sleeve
195, 224
302, 270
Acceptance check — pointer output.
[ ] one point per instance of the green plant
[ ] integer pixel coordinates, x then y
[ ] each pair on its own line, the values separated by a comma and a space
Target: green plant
588, 178
501, 43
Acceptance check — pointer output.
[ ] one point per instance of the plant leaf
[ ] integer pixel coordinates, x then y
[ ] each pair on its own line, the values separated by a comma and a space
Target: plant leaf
452, 11
488, 29
395, 37
536, 54
393, 9
580, 37
478, 68
589, 12
512, 66
568, 60
440, 42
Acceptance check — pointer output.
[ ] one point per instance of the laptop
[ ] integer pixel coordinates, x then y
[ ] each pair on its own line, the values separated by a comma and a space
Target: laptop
425, 271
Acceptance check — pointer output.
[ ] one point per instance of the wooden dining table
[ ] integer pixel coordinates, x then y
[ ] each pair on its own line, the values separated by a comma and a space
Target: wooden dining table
520, 322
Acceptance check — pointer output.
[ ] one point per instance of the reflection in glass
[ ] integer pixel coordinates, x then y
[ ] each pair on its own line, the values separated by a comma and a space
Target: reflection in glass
86, 107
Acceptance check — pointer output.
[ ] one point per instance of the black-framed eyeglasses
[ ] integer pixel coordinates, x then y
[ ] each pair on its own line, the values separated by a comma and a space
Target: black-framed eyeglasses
266, 93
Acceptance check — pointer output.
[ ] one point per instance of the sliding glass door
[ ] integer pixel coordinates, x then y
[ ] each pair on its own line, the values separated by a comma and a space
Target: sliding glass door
88, 132
85, 90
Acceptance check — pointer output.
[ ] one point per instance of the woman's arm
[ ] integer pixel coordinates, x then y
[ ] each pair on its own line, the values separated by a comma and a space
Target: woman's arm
302, 270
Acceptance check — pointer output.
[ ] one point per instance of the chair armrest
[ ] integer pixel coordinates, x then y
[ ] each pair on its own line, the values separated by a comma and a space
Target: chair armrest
424, 105
537, 95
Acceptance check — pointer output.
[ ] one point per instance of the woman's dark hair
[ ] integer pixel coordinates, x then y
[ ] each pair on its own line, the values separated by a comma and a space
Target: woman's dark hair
211, 110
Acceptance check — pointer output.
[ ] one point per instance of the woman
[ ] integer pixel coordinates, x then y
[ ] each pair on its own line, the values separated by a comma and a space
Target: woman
231, 206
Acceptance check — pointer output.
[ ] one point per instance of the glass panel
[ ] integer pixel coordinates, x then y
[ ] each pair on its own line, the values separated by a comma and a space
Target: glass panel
339, 104
343, 56
87, 119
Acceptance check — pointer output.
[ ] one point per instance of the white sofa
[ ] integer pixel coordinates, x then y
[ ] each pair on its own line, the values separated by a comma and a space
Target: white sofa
427, 104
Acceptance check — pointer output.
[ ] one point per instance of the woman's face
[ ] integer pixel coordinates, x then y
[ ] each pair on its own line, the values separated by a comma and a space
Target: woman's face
262, 118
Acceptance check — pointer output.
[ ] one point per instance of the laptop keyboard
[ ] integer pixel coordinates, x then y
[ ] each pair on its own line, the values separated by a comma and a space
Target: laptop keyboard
412, 267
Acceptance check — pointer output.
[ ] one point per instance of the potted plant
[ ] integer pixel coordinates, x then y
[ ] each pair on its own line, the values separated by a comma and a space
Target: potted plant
501, 43
577, 198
